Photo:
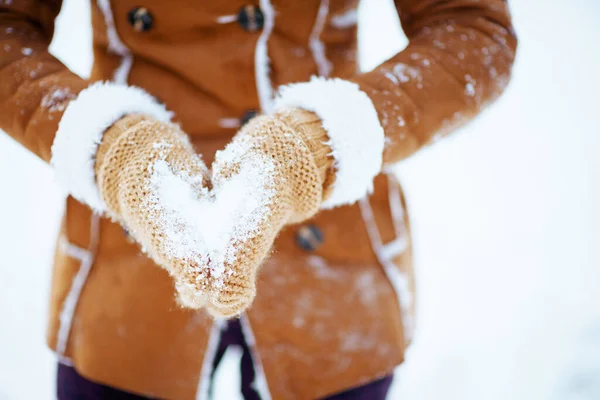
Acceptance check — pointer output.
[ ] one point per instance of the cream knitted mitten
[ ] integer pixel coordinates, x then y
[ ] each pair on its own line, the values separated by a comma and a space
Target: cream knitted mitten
140, 165
283, 169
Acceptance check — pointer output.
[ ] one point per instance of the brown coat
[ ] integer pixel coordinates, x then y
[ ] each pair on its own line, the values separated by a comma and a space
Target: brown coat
323, 321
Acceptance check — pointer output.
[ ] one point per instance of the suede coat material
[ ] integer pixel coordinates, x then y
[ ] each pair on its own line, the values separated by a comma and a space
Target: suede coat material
326, 318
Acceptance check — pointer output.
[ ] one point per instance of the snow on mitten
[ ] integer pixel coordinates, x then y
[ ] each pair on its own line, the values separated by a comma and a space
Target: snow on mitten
144, 170
276, 171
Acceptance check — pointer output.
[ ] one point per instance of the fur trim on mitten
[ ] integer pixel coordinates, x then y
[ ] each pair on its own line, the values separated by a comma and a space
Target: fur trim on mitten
82, 127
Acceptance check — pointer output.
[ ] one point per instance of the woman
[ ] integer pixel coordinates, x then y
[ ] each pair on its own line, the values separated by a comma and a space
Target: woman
295, 229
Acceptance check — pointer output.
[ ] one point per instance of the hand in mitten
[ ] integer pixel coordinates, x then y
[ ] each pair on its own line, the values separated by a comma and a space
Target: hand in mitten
297, 162
150, 180
276, 171
212, 236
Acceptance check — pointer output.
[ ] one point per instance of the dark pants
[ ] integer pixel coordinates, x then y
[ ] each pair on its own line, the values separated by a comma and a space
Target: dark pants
72, 386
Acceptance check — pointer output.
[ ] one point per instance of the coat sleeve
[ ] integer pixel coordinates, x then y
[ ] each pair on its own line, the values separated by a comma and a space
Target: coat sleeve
458, 60
50, 110
34, 86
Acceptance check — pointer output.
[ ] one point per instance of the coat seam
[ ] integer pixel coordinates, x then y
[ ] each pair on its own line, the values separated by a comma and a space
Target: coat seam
204, 383
116, 44
69, 305
316, 44
264, 85
260, 383
397, 278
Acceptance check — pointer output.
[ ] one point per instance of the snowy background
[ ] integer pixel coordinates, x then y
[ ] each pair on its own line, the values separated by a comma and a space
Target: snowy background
505, 216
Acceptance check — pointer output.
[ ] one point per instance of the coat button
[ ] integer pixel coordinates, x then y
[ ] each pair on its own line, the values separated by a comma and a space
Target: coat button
248, 115
309, 238
141, 19
251, 18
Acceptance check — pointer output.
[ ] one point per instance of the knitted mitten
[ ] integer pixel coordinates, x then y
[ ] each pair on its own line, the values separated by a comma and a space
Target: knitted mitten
212, 239
279, 169
147, 174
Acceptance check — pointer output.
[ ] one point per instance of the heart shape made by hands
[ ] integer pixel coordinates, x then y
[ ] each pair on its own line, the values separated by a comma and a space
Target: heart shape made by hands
221, 233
